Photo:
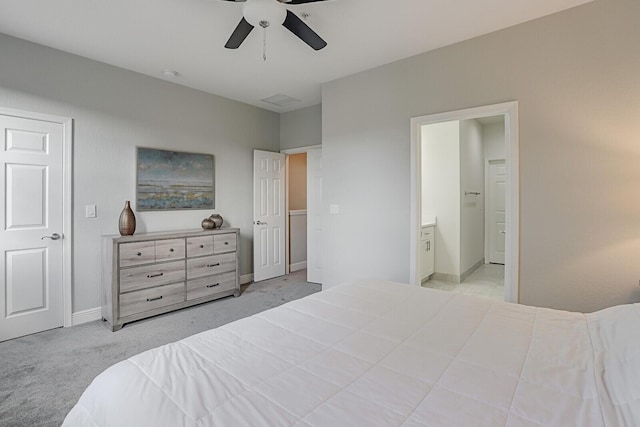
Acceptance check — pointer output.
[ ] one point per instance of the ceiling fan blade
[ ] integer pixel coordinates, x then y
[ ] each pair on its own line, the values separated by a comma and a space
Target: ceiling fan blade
303, 31
239, 34
300, 1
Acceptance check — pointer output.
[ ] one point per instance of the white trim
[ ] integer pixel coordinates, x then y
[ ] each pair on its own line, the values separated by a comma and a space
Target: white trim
67, 203
86, 316
512, 217
287, 244
443, 277
298, 266
68, 222
247, 278
300, 150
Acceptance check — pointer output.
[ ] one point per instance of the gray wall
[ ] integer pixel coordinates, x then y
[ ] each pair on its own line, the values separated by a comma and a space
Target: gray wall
301, 128
493, 141
114, 111
576, 76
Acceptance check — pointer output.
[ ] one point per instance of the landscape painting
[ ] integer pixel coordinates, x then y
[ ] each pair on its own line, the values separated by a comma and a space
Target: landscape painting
168, 180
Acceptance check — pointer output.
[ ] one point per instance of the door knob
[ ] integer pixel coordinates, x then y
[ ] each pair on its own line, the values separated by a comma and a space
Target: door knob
260, 223
502, 232
54, 236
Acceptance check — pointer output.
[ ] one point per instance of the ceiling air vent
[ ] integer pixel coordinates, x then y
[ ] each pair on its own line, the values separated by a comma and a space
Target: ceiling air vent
280, 100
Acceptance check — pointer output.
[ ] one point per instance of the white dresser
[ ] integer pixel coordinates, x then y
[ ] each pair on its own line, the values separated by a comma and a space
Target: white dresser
149, 274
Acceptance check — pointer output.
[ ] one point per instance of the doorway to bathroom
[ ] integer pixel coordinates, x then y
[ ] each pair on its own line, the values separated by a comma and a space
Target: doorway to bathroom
465, 201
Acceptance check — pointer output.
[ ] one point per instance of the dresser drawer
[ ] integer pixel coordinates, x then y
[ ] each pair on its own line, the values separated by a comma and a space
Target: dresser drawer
149, 299
169, 249
207, 266
210, 285
134, 278
199, 246
137, 253
224, 243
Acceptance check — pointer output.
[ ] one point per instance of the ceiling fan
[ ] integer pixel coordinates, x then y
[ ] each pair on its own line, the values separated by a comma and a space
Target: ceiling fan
265, 13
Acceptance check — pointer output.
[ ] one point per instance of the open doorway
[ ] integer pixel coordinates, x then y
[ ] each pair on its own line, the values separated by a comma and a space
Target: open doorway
297, 211
464, 227
303, 188
463, 206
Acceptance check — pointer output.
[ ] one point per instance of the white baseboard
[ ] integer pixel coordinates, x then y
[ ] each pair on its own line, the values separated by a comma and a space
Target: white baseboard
86, 316
449, 278
298, 266
247, 278
470, 271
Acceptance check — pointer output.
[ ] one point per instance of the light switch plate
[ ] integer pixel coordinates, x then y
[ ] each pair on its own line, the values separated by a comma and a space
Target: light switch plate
90, 211
334, 209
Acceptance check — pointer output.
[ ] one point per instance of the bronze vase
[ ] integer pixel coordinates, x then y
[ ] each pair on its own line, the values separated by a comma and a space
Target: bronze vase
127, 222
217, 220
208, 224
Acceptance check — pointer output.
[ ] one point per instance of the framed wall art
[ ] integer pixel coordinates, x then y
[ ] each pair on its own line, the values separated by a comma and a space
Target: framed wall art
169, 180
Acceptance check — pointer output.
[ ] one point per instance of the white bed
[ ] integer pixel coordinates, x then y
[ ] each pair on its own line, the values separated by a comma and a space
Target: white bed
377, 353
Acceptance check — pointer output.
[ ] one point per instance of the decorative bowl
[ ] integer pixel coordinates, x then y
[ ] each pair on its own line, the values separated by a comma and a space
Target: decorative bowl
208, 224
217, 220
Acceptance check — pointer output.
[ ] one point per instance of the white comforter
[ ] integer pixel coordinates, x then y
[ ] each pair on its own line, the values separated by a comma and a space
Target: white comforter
383, 354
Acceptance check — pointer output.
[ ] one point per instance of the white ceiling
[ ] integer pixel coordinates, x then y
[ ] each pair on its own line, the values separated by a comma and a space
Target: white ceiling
149, 36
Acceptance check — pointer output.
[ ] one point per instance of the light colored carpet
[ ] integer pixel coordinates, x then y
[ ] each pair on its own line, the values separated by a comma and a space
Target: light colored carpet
43, 375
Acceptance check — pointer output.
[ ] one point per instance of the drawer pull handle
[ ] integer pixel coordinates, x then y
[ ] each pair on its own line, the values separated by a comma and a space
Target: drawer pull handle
170, 249
150, 276
201, 246
139, 254
154, 299
226, 243
213, 286
213, 265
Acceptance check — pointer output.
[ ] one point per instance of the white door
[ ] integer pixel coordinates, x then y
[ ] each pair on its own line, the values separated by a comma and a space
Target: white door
497, 188
268, 215
314, 216
31, 190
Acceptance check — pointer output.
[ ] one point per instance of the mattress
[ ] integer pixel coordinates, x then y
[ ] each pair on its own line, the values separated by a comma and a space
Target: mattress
378, 353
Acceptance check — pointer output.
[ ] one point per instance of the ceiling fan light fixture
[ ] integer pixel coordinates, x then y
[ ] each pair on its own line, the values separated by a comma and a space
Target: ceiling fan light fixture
270, 11
170, 74
267, 13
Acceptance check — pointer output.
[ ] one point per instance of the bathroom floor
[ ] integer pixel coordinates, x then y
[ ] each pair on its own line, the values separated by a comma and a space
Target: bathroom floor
487, 281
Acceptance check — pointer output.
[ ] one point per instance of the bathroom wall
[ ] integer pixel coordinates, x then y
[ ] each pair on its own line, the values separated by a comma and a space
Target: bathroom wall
452, 163
440, 191
471, 206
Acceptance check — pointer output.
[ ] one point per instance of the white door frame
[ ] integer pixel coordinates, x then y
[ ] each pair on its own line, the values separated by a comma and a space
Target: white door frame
67, 206
288, 152
512, 214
